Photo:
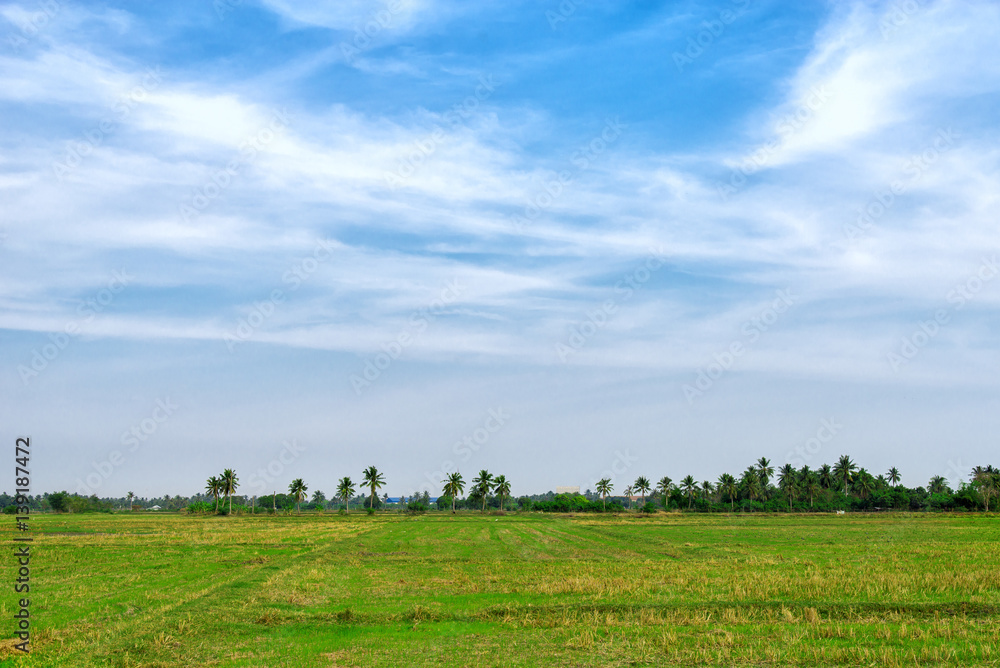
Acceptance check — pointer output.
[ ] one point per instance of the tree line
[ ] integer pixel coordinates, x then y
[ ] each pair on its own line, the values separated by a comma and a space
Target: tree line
759, 488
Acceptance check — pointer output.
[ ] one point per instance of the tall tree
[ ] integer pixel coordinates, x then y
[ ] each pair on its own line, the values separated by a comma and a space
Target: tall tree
373, 479
345, 490
229, 484
482, 484
131, 495
707, 489
750, 481
937, 485
727, 486
844, 470
214, 487
663, 488
501, 487
826, 477
893, 475
865, 483
766, 471
298, 491
690, 486
641, 485
787, 482
604, 488
811, 486
454, 486
628, 492
986, 480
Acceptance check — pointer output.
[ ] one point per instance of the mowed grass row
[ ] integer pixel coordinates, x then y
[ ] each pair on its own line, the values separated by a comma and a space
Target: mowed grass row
329, 590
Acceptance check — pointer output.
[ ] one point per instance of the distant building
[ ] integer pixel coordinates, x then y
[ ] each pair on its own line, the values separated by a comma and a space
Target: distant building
154, 508
568, 490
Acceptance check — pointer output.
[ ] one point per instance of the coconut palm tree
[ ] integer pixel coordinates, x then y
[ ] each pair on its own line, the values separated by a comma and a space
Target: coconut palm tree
373, 479
641, 485
483, 484
298, 490
604, 488
937, 485
663, 488
766, 471
689, 486
986, 479
501, 487
131, 495
826, 477
750, 481
893, 475
787, 482
727, 486
881, 483
345, 490
844, 470
811, 486
628, 492
453, 486
229, 484
707, 489
866, 484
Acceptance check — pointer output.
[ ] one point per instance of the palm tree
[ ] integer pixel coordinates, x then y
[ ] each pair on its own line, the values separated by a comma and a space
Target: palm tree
628, 492
641, 485
750, 481
454, 486
214, 487
986, 479
937, 485
811, 486
707, 489
689, 486
131, 495
373, 479
766, 471
298, 490
893, 475
229, 484
865, 484
345, 490
501, 487
786, 481
844, 470
826, 478
663, 487
727, 486
604, 488
483, 484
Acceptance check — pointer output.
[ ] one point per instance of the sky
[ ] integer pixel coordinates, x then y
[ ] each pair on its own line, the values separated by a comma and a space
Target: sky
558, 241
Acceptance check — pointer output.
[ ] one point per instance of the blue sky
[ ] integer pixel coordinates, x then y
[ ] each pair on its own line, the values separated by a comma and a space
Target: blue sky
556, 241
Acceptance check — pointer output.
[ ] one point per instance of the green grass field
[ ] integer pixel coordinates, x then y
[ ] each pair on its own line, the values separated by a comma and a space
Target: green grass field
534, 590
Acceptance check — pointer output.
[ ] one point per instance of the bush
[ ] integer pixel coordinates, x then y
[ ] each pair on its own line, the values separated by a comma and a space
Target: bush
416, 507
649, 508
201, 508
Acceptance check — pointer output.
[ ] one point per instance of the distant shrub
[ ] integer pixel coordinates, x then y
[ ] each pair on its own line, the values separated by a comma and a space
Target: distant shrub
201, 508
416, 507
649, 508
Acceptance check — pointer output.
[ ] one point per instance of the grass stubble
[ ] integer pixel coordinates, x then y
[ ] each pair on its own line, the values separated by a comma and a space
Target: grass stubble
150, 590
